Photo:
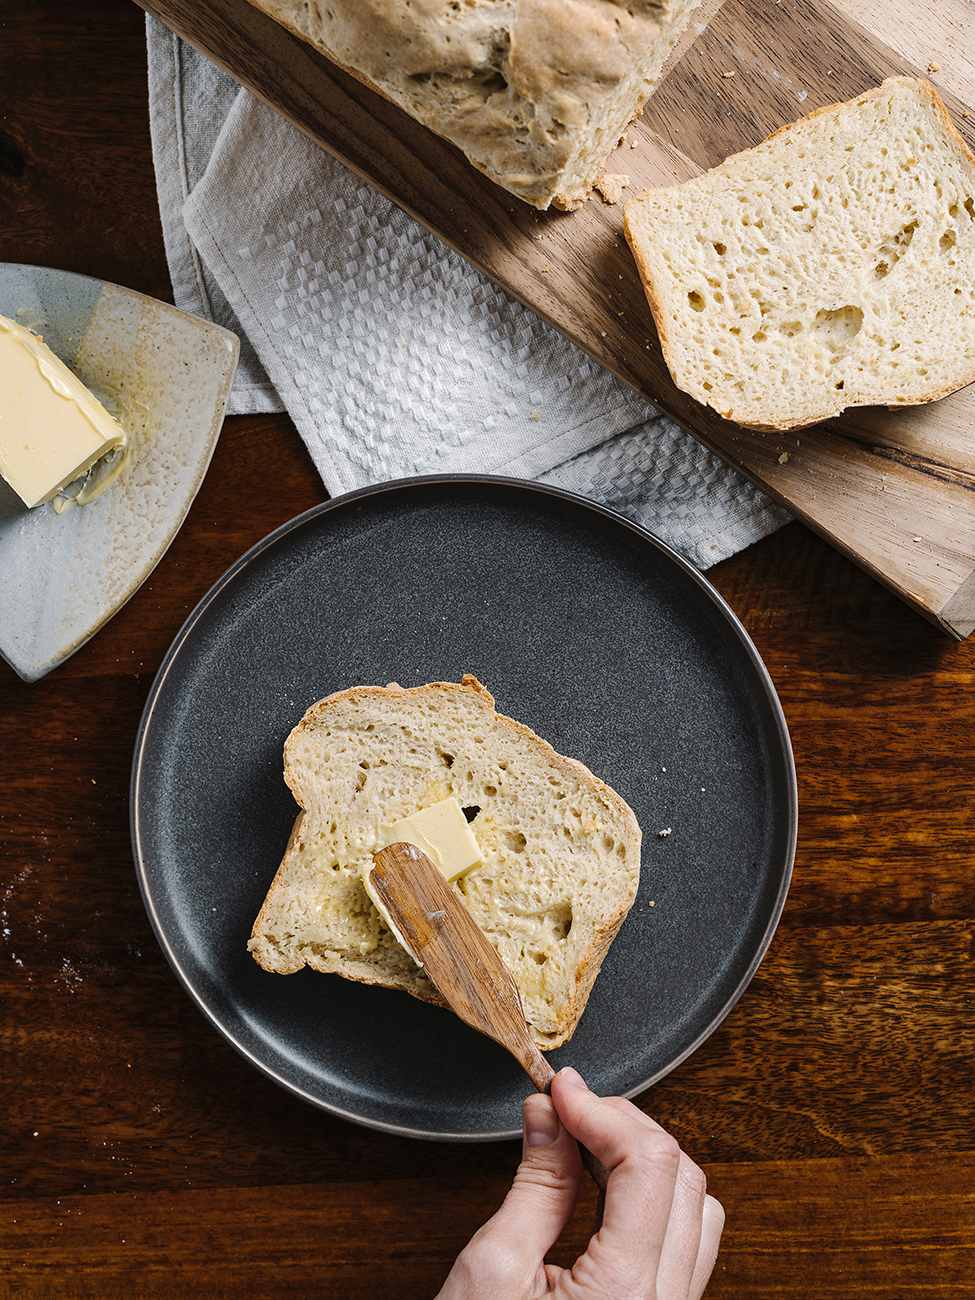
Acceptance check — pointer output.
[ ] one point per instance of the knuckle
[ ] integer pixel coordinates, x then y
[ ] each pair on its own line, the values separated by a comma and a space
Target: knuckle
693, 1179
658, 1155
663, 1148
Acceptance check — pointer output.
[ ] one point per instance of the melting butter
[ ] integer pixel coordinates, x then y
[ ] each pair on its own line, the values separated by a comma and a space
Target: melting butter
52, 429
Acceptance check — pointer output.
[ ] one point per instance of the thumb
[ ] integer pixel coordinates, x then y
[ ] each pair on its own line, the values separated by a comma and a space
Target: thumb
543, 1194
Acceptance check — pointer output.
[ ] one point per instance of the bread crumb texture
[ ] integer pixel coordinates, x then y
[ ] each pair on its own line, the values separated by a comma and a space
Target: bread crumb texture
831, 266
561, 850
535, 92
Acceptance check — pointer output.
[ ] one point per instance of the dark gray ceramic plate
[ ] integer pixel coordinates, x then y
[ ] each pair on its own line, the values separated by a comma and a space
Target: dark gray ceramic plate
582, 626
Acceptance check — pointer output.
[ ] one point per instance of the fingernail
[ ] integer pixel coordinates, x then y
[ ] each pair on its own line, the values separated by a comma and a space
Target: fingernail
540, 1122
573, 1077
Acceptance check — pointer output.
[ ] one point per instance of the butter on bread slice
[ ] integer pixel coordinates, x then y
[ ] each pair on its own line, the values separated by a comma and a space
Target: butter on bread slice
831, 266
561, 850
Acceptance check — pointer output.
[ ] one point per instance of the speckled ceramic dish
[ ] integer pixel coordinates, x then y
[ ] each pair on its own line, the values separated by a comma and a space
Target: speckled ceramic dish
166, 377
585, 628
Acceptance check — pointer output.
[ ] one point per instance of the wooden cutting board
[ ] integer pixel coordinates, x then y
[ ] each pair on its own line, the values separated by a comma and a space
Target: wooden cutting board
894, 490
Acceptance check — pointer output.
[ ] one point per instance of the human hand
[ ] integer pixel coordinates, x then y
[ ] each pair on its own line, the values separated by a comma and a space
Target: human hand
659, 1235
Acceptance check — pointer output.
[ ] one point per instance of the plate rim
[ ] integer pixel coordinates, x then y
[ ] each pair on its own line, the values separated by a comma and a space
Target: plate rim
124, 288
712, 596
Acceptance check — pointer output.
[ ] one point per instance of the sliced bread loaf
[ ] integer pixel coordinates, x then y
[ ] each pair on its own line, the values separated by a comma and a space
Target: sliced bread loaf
561, 850
535, 92
831, 266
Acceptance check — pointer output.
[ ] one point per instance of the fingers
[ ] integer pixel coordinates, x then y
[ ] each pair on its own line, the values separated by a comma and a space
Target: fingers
659, 1227
711, 1230
660, 1231
642, 1161
693, 1233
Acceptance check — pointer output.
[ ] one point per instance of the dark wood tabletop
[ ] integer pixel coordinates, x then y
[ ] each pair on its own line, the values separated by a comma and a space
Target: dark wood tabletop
141, 1156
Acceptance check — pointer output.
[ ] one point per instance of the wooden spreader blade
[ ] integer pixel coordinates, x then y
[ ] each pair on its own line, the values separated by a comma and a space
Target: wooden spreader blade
444, 938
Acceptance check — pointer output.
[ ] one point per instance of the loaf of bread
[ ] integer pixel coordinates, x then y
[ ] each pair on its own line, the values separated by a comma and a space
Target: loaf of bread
561, 850
831, 266
535, 92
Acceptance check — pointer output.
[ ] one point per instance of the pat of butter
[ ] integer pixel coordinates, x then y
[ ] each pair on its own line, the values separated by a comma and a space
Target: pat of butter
442, 833
52, 429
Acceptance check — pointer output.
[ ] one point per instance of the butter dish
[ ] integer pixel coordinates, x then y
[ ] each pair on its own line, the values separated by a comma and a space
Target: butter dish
165, 376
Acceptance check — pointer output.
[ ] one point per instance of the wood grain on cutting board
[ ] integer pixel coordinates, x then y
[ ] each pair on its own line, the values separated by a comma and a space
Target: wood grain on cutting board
894, 490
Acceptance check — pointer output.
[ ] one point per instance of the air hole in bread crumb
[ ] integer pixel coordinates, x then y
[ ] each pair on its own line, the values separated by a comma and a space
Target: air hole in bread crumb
448, 760
515, 841
720, 249
490, 791
837, 326
894, 249
471, 812
695, 300
561, 919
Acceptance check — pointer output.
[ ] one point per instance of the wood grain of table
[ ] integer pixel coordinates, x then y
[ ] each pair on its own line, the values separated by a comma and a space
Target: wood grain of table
141, 1156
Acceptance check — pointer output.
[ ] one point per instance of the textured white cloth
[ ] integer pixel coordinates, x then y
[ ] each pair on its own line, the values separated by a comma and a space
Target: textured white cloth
392, 354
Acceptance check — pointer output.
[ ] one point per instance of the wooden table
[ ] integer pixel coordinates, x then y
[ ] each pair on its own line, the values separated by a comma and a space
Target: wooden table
141, 1157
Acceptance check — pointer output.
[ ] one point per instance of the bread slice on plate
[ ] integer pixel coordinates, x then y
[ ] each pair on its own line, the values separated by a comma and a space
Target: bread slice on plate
535, 92
560, 850
831, 266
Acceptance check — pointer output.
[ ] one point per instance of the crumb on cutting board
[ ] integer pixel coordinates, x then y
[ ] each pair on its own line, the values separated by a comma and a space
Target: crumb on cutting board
611, 186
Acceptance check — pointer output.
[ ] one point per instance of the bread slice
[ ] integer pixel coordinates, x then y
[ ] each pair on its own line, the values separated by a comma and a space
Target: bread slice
561, 850
535, 92
831, 266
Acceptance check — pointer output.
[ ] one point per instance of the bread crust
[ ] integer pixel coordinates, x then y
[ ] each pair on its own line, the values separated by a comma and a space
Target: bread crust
551, 901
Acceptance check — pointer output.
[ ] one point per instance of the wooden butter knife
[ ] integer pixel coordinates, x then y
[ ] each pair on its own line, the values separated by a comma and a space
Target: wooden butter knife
432, 923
